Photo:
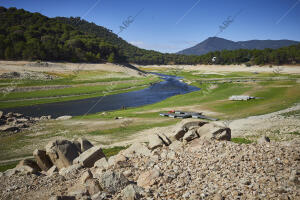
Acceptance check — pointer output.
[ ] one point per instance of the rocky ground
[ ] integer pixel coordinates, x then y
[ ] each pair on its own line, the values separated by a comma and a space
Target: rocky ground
278, 125
14, 122
197, 161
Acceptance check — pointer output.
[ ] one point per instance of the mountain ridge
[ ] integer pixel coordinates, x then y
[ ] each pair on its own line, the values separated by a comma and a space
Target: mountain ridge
212, 44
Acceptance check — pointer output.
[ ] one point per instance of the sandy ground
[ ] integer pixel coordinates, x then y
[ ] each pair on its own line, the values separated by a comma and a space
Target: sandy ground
21, 66
268, 124
286, 69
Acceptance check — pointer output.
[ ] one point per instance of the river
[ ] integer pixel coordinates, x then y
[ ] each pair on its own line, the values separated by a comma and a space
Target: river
170, 86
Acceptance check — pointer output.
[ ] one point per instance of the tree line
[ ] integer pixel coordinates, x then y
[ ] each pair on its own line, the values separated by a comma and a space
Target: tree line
32, 36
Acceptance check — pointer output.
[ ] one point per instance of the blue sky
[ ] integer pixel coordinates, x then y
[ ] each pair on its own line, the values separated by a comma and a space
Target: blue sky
172, 25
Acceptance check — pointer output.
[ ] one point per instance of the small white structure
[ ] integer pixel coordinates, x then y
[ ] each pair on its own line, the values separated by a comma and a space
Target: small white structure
240, 98
214, 59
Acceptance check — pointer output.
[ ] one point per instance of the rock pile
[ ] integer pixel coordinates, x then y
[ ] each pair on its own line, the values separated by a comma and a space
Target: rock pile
27, 75
14, 122
197, 162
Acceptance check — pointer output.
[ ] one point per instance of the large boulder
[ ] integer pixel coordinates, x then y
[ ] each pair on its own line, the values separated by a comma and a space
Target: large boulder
84, 144
62, 153
70, 171
42, 159
29, 163
155, 141
113, 182
190, 135
89, 157
183, 126
176, 146
214, 131
139, 149
118, 160
164, 138
102, 163
52, 171
9, 128
24, 167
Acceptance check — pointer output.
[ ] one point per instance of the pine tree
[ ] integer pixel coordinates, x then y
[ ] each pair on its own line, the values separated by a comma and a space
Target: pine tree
111, 58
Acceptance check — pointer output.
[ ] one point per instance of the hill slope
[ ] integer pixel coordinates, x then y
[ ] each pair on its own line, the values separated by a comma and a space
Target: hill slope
32, 36
218, 44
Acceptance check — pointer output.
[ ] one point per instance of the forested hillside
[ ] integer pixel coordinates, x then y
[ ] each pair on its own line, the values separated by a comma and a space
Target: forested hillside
32, 36
284, 55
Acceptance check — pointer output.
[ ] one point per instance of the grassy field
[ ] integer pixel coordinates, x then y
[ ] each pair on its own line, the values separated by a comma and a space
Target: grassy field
214, 97
79, 86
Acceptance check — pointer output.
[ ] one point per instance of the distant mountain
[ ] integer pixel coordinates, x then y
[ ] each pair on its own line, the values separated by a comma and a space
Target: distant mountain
212, 44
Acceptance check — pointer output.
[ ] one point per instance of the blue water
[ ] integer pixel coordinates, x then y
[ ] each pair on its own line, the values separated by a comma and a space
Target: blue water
157, 92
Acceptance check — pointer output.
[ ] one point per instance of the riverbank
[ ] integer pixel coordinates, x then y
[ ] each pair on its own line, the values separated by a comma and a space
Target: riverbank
31, 83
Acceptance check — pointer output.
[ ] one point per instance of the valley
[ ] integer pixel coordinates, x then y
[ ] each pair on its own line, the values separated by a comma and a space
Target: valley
124, 127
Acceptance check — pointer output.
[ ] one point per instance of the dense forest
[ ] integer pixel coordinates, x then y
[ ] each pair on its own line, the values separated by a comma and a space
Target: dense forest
32, 36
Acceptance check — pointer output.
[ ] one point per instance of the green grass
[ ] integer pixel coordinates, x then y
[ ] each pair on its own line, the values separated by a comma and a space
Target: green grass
295, 113
61, 81
196, 75
275, 97
239, 140
112, 151
8, 166
124, 131
295, 133
71, 79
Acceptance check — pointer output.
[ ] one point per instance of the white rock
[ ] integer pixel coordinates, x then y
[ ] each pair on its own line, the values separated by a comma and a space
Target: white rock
65, 117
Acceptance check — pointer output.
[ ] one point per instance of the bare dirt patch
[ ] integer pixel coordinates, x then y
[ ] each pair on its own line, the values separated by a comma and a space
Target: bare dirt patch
21, 66
273, 125
286, 69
